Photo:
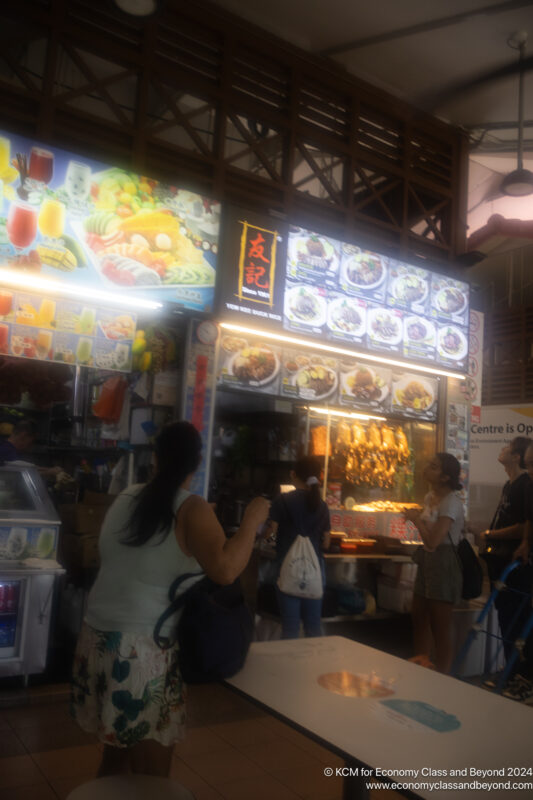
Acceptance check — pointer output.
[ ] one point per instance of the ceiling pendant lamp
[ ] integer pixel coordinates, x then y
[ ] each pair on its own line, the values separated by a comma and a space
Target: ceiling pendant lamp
138, 8
519, 182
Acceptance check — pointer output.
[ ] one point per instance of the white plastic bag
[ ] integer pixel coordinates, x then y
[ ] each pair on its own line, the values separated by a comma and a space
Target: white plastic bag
300, 573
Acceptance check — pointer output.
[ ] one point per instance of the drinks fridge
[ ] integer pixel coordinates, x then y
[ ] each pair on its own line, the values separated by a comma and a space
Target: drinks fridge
29, 528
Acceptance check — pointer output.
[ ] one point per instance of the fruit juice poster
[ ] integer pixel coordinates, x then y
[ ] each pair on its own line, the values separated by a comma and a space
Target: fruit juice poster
38, 327
83, 222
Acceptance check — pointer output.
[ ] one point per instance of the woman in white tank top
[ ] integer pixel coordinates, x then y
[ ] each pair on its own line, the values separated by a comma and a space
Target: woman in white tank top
439, 576
124, 688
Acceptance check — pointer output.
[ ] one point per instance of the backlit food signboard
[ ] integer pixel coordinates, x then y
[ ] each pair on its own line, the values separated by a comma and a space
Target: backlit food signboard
316, 286
88, 224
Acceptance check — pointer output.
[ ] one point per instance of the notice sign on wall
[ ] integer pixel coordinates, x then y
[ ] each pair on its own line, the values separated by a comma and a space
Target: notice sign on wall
497, 427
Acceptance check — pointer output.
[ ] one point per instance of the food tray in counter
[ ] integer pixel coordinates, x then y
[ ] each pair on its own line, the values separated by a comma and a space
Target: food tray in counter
382, 518
357, 545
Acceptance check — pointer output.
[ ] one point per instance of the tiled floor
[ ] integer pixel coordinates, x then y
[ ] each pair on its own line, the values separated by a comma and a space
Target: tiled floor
232, 751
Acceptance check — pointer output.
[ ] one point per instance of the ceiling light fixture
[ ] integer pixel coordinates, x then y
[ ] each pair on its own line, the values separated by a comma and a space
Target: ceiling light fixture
519, 182
138, 8
335, 412
25, 280
341, 351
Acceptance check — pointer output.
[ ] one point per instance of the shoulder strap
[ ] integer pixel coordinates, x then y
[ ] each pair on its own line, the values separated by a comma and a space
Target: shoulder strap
290, 516
175, 604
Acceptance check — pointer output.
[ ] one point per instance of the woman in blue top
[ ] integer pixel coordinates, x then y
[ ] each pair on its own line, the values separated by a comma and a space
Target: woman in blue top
300, 512
439, 577
124, 688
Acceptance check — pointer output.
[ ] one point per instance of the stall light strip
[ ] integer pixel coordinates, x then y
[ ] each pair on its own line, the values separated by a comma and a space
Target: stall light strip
333, 412
23, 280
341, 351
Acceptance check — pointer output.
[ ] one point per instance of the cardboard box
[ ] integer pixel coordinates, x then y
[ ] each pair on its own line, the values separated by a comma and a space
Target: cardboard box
80, 551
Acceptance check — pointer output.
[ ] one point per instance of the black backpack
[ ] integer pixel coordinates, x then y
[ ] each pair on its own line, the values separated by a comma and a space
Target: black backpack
214, 631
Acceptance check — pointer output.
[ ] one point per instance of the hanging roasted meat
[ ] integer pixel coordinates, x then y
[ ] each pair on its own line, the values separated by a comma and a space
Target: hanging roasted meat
403, 446
343, 440
374, 437
319, 440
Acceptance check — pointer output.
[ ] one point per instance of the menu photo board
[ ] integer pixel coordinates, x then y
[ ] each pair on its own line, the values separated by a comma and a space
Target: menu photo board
309, 376
374, 301
87, 223
69, 332
363, 273
414, 395
249, 363
312, 258
364, 387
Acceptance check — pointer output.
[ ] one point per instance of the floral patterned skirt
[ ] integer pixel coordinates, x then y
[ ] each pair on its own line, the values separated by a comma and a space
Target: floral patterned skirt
126, 689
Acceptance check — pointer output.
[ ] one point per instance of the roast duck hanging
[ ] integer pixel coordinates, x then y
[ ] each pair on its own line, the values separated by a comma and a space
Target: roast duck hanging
369, 457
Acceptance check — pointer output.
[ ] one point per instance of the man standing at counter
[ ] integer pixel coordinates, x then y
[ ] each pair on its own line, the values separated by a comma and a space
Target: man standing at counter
20, 440
521, 686
504, 536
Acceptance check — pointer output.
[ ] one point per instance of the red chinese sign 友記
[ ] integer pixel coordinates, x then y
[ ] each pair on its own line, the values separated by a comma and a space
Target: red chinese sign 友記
257, 264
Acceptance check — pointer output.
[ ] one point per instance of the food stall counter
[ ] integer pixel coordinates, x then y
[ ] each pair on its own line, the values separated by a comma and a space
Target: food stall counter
29, 528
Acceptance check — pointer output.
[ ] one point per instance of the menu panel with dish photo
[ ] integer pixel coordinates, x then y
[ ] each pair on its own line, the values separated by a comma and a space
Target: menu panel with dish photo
312, 258
305, 308
346, 320
308, 376
449, 300
419, 338
384, 328
414, 395
365, 387
249, 363
408, 288
452, 346
363, 273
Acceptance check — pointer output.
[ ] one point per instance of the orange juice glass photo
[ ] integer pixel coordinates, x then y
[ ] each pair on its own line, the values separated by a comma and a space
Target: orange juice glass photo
52, 218
5, 153
4, 338
6, 303
43, 343
47, 312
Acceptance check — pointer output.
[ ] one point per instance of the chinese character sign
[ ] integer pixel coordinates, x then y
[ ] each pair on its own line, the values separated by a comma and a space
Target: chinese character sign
257, 264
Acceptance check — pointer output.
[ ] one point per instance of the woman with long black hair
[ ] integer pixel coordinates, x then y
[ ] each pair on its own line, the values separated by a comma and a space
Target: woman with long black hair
124, 688
300, 512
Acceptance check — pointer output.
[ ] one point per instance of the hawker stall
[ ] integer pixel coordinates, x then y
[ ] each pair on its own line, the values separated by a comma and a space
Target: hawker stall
345, 353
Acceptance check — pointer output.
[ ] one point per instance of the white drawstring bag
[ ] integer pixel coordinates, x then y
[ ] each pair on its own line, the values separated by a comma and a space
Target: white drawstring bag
300, 573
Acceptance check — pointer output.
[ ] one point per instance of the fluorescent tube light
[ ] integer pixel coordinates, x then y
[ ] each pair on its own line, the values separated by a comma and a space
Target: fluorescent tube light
333, 412
341, 351
32, 282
